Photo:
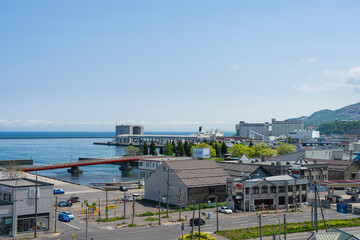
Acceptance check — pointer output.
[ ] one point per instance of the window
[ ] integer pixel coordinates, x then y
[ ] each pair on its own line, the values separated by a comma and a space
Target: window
7, 197
140, 164
211, 190
264, 189
247, 190
297, 187
281, 189
256, 190
290, 188
324, 177
303, 187
273, 189
281, 200
353, 175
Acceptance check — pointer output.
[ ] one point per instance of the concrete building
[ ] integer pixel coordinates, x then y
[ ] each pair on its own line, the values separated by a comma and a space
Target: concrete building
252, 130
198, 180
279, 128
17, 206
277, 191
129, 129
304, 134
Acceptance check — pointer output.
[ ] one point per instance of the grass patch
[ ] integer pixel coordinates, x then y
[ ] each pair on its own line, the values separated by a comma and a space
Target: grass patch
110, 219
147, 214
151, 219
268, 230
180, 220
165, 217
133, 225
119, 224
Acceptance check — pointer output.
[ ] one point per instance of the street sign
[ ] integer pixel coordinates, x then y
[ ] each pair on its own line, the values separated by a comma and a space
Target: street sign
182, 228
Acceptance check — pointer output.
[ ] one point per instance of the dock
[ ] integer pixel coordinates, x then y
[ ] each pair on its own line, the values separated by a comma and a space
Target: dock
16, 162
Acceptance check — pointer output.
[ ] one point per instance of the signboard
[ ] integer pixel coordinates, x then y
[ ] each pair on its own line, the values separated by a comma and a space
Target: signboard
6, 189
32, 192
228, 189
239, 186
201, 153
110, 208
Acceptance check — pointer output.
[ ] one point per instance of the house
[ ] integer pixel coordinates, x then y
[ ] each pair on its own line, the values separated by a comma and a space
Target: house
17, 206
273, 192
188, 181
339, 169
311, 171
334, 234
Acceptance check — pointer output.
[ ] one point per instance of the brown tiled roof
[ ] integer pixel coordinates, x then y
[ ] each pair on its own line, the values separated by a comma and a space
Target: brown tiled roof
239, 169
198, 173
333, 165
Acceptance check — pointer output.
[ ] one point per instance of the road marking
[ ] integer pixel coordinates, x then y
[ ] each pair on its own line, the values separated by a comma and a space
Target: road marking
71, 225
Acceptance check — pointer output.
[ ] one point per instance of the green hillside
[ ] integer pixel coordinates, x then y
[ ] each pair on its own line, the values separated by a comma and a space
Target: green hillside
351, 112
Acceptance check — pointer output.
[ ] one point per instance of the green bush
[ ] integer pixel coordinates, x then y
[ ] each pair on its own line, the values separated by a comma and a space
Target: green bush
151, 219
203, 236
110, 219
146, 214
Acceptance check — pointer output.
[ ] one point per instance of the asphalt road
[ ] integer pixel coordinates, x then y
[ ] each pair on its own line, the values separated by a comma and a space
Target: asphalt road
173, 231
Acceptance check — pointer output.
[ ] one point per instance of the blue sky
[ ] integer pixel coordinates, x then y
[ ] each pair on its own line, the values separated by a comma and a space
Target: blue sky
174, 65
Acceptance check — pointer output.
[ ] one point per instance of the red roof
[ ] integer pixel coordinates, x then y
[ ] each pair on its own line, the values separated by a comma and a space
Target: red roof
340, 183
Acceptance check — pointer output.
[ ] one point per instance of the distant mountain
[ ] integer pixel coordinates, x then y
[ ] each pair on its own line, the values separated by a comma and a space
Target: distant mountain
351, 112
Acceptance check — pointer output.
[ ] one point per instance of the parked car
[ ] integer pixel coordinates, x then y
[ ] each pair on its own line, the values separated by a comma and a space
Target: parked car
64, 204
136, 196
225, 210
58, 191
348, 191
71, 216
123, 188
73, 199
197, 221
127, 198
63, 217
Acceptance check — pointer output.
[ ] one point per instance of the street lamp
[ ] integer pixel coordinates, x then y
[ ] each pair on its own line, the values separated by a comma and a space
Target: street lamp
124, 189
249, 177
13, 208
86, 218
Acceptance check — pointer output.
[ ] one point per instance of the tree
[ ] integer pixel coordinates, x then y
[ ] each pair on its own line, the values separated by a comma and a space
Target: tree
161, 151
131, 151
187, 148
237, 150
168, 149
146, 150
261, 149
173, 147
224, 148
217, 149
285, 148
180, 149
152, 148
251, 144
205, 145
12, 170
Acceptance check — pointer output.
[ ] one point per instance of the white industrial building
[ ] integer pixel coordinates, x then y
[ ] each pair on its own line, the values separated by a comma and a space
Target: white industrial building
304, 134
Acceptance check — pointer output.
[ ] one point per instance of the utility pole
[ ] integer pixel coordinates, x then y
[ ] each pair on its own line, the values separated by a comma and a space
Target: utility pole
315, 211
36, 196
322, 213
159, 206
125, 206
260, 226
284, 226
56, 203
249, 207
167, 192
99, 208
192, 225
199, 220
312, 214
133, 213
86, 226
217, 214
106, 203
180, 201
